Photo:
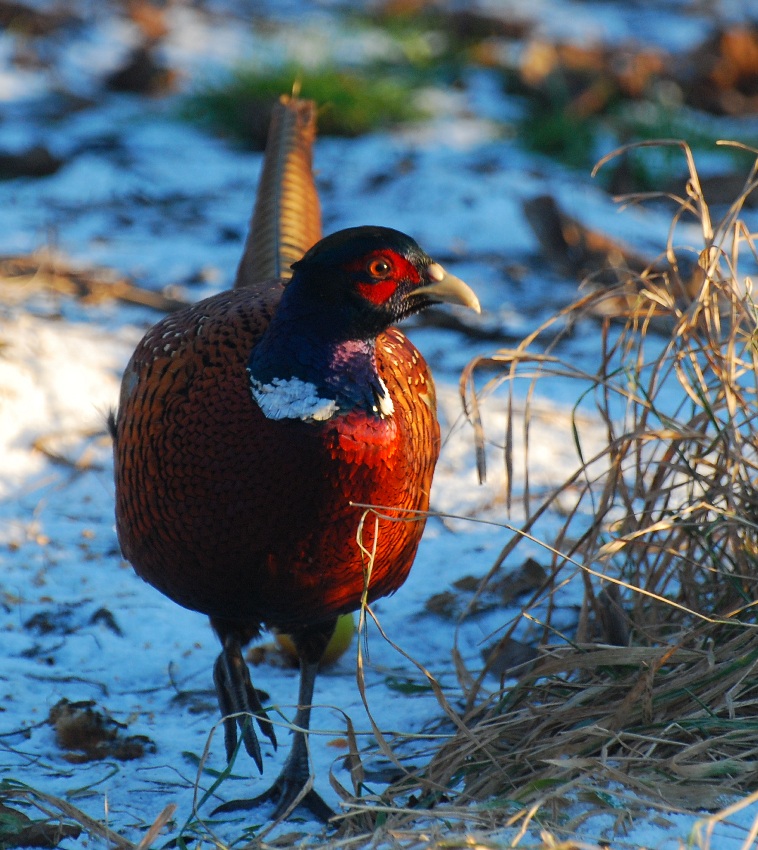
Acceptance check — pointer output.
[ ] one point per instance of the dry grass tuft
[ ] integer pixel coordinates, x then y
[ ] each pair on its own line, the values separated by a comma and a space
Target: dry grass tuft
668, 507
654, 701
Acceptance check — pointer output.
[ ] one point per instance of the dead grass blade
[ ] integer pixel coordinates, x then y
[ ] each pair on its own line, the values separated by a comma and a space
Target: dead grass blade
155, 830
55, 808
23, 276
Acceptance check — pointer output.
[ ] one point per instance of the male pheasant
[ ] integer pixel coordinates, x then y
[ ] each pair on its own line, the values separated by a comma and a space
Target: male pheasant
252, 426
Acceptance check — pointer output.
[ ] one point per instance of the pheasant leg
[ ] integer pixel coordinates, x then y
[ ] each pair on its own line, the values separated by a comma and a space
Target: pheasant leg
239, 701
291, 788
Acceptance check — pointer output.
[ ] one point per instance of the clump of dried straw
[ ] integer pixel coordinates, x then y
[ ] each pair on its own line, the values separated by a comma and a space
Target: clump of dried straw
655, 698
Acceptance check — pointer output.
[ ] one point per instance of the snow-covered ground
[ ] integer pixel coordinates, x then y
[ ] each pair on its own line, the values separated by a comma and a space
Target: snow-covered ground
153, 198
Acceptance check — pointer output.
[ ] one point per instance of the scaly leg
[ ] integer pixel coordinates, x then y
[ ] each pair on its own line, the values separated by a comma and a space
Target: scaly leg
288, 791
237, 696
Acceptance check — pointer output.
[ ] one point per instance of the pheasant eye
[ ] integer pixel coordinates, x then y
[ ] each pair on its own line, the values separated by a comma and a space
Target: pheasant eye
379, 268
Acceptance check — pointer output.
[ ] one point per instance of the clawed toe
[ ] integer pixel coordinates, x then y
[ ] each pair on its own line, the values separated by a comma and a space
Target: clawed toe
287, 795
238, 700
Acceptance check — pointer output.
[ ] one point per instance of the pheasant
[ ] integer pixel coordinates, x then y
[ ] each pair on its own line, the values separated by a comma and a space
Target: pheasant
251, 429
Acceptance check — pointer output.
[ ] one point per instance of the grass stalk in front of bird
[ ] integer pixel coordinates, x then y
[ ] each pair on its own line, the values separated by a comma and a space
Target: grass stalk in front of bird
651, 701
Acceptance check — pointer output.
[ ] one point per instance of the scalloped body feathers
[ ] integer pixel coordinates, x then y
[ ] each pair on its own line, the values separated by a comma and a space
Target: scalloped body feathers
256, 519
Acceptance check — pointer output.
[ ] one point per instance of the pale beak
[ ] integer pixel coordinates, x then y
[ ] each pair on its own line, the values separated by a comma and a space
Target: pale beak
447, 288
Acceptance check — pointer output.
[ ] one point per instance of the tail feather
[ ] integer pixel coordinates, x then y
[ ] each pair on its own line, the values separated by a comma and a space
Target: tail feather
286, 219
